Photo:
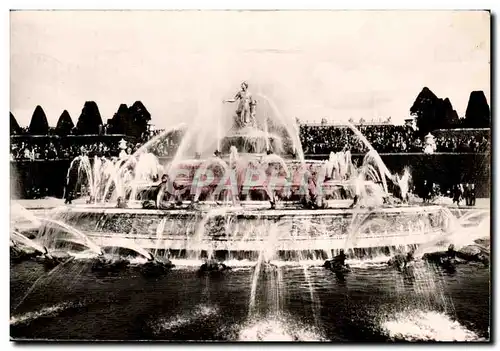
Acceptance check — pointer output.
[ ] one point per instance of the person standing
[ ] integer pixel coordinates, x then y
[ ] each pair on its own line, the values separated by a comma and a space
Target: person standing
69, 196
457, 194
472, 194
466, 194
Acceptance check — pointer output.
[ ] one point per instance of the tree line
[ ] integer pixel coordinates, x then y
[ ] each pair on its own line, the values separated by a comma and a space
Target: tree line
131, 121
432, 112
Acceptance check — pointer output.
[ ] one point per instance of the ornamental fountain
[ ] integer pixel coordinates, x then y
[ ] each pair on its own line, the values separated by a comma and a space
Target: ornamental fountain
238, 190
255, 193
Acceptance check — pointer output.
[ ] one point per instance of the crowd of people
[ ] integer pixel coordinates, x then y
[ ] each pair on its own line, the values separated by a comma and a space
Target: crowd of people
462, 144
385, 138
39, 149
316, 140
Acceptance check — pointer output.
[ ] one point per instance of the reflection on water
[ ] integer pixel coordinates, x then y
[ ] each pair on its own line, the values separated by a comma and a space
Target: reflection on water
371, 303
46, 311
187, 318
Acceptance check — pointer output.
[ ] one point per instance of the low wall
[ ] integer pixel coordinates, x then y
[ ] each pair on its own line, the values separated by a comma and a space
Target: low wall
49, 176
444, 169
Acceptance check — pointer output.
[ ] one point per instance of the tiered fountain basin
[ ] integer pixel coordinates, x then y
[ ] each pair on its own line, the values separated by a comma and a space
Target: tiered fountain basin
251, 177
254, 229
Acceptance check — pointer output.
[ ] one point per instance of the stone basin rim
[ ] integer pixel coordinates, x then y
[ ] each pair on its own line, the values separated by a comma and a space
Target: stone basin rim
254, 212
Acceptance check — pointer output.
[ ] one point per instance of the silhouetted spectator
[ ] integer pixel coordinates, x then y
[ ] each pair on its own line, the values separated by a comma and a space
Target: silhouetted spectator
457, 193
473, 194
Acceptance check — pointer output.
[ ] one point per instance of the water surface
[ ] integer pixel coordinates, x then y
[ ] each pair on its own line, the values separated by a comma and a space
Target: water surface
371, 303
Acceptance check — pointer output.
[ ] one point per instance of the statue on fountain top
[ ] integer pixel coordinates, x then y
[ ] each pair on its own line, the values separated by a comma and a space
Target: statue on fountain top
245, 113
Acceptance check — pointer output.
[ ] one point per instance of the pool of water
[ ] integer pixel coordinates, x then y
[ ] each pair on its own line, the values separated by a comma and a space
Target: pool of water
291, 302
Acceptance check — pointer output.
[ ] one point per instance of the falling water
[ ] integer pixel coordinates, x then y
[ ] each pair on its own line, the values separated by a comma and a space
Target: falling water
115, 242
41, 279
233, 157
153, 140
266, 133
372, 155
68, 174
373, 170
23, 213
358, 218
96, 176
120, 171
147, 168
218, 132
259, 141
315, 305
128, 244
290, 127
85, 167
113, 178
19, 214
273, 273
255, 280
196, 243
404, 182
456, 234
18, 237
273, 158
366, 187
71, 230
467, 219
159, 233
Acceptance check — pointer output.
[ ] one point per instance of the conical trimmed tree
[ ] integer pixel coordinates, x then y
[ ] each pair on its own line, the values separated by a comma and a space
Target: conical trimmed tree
14, 126
120, 122
423, 108
140, 119
38, 124
478, 113
64, 124
432, 112
89, 120
450, 118
446, 117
